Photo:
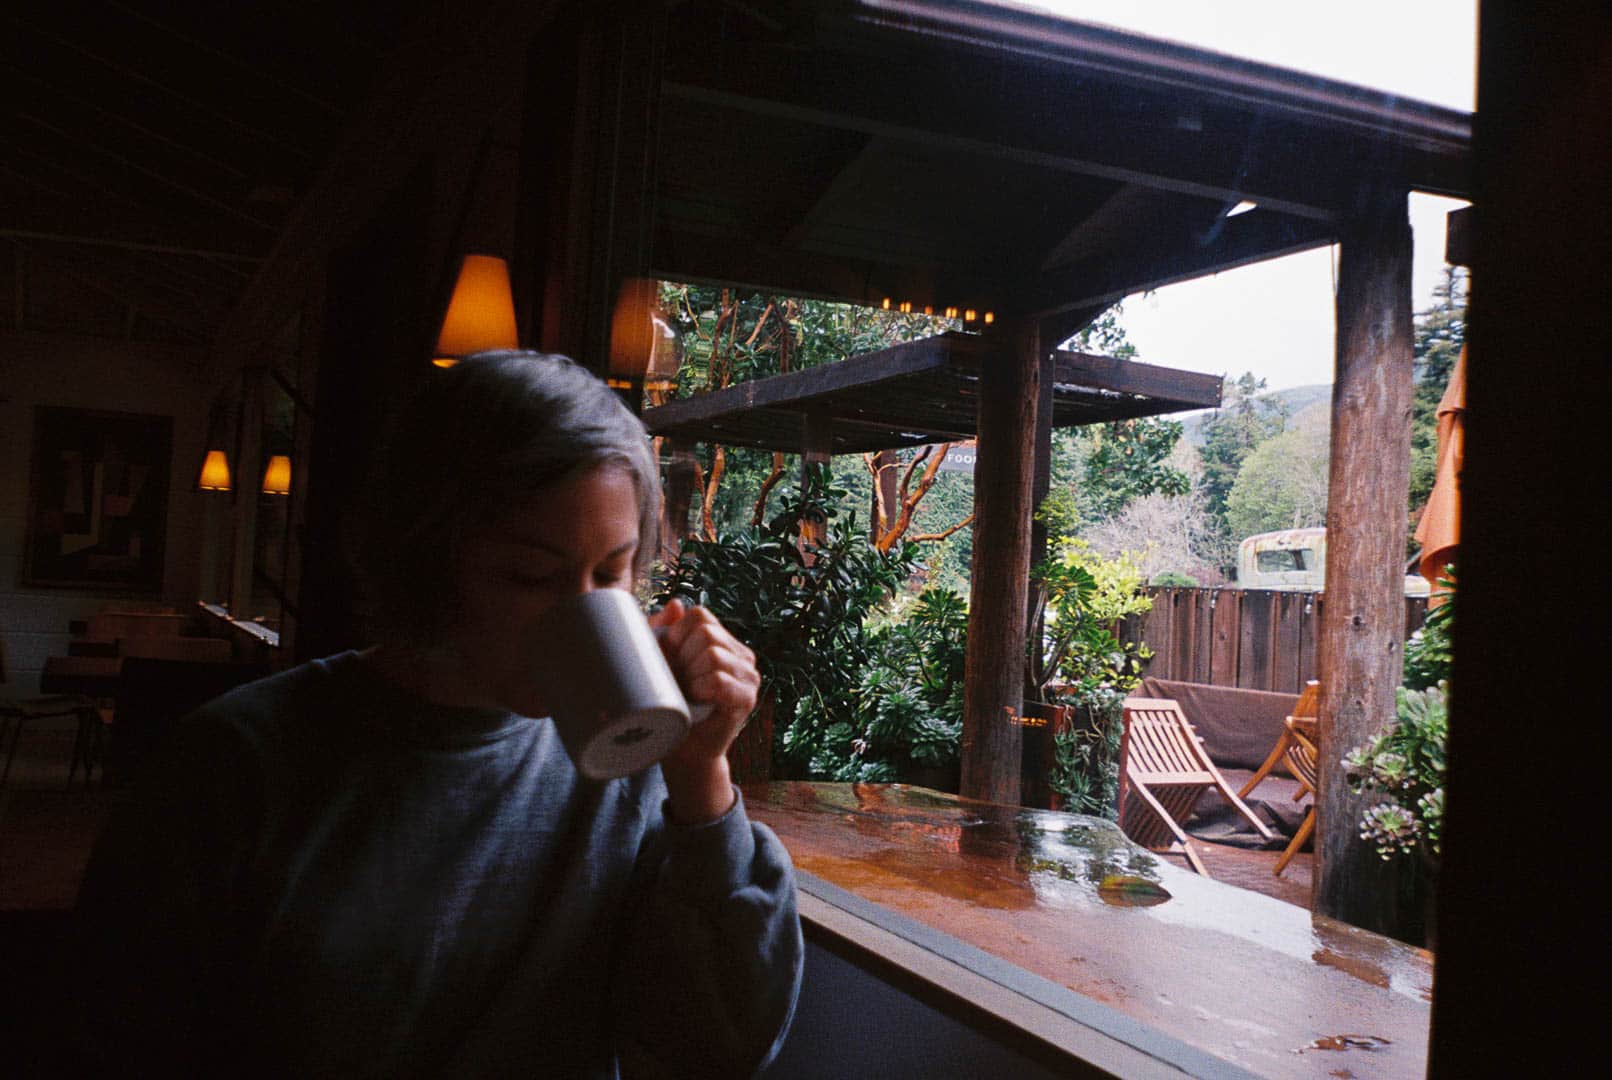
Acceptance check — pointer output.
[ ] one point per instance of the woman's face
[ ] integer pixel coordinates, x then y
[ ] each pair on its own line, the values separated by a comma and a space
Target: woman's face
579, 535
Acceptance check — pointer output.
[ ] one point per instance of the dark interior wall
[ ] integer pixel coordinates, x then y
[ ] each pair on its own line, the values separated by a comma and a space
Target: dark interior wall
1521, 925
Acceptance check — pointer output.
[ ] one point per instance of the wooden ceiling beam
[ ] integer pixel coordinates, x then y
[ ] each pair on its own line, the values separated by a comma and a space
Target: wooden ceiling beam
1167, 146
128, 245
683, 254
190, 320
1232, 242
1112, 225
122, 162
844, 179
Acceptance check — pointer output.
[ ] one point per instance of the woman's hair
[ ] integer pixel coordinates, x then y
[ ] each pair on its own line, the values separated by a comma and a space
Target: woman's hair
499, 426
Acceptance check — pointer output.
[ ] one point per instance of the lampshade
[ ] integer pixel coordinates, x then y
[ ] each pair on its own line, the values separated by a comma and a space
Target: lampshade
277, 476
214, 472
644, 345
481, 313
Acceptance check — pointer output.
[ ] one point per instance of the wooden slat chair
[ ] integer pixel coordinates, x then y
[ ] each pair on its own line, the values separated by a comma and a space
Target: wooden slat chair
1308, 704
1302, 756
1166, 772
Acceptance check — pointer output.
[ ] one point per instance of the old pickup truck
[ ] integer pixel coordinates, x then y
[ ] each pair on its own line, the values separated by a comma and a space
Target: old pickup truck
1295, 560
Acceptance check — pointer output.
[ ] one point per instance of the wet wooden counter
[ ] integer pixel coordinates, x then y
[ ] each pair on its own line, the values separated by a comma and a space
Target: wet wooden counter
1063, 913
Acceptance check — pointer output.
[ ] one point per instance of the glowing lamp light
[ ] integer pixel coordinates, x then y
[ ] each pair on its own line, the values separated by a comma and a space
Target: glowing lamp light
886, 304
990, 317
951, 313
929, 309
1242, 208
645, 347
970, 315
214, 472
906, 307
481, 314
277, 476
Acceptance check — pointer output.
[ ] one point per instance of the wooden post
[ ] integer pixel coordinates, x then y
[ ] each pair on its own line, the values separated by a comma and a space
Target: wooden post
1363, 622
994, 674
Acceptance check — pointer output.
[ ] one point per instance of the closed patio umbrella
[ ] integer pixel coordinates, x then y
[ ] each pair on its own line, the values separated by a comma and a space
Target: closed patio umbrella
1439, 530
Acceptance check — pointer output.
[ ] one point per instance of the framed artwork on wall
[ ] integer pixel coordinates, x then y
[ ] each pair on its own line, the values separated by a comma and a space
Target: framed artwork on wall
97, 500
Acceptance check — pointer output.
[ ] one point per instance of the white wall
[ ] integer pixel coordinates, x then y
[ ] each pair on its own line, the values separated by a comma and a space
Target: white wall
127, 377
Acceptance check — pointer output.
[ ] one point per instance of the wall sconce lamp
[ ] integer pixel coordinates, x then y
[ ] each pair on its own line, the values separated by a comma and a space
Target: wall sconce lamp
481, 313
277, 475
214, 474
644, 347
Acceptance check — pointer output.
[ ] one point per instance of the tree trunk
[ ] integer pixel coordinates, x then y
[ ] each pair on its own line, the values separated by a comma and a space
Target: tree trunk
816, 448
1363, 621
994, 677
682, 477
886, 476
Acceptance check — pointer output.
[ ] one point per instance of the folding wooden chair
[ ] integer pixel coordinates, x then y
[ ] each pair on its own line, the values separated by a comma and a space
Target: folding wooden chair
1308, 705
1166, 772
1302, 756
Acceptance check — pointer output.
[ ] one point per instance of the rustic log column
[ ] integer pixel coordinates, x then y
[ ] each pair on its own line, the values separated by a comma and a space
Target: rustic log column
994, 677
1363, 621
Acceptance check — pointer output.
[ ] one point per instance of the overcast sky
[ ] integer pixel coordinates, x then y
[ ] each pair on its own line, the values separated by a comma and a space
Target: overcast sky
1275, 318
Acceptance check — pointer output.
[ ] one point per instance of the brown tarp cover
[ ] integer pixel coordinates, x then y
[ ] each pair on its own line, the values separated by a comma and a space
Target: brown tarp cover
1238, 727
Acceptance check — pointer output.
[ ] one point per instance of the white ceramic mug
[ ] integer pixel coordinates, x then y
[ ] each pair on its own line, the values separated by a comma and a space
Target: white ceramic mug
614, 701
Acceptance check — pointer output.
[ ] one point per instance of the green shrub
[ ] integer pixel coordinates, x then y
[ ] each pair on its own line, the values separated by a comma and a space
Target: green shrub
804, 617
1428, 652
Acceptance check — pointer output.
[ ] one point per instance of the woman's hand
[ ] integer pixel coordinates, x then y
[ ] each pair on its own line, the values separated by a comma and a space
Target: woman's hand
714, 668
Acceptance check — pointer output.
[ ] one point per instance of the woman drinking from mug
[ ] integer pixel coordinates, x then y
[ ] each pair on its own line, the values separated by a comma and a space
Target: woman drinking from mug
384, 863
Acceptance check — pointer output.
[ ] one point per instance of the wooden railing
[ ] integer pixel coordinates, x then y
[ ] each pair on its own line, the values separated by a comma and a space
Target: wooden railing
1256, 639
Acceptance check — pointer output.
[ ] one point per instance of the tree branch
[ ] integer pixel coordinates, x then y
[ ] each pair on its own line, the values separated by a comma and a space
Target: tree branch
758, 512
923, 537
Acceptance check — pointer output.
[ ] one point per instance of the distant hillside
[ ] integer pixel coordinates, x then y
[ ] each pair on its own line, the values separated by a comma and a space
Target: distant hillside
1296, 398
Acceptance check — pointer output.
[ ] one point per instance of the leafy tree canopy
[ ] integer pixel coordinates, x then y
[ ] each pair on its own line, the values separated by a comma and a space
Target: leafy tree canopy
1283, 482
1244, 421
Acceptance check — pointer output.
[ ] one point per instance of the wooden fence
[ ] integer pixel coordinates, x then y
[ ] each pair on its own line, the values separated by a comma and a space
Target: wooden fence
1257, 639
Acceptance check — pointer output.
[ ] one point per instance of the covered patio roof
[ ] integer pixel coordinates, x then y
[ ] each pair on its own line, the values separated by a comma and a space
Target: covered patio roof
915, 393
982, 156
